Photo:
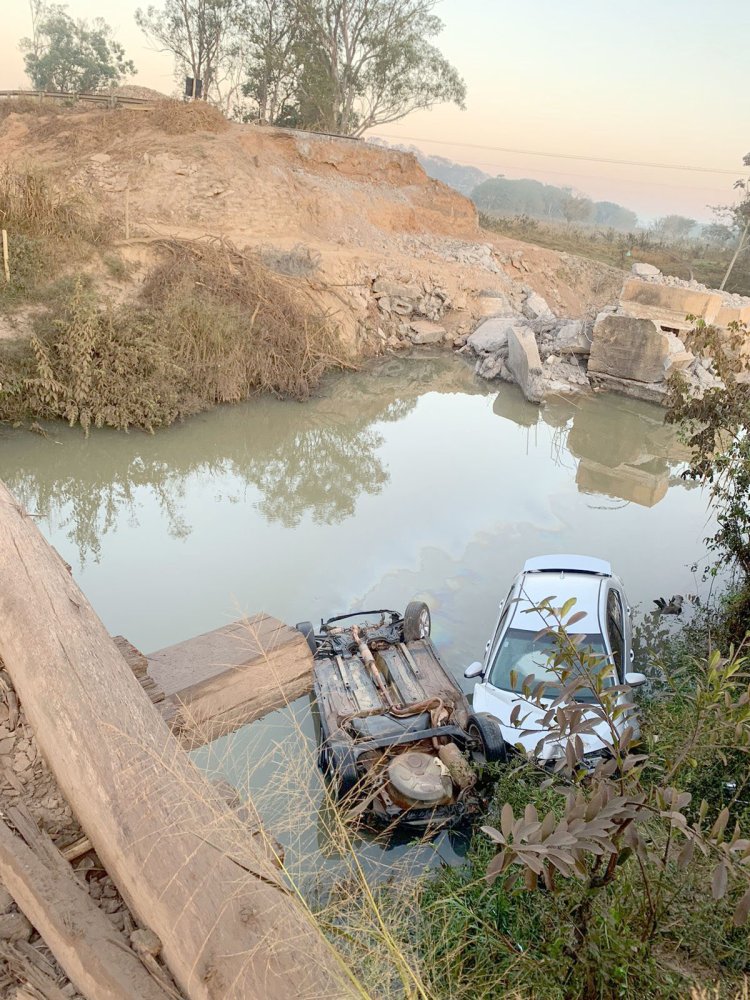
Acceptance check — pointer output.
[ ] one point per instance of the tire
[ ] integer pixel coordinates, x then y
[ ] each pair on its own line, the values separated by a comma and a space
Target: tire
487, 733
341, 768
308, 630
417, 621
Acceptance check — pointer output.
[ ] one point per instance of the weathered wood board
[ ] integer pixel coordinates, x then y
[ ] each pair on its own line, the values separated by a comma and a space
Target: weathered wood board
233, 675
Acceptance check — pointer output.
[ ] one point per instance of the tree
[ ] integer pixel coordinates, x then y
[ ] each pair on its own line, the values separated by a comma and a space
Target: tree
200, 34
272, 65
72, 56
609, 213
739, 216
350, 64
576, 208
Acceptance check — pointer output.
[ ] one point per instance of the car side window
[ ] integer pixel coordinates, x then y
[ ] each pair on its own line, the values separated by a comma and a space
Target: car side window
616, 630
502, 621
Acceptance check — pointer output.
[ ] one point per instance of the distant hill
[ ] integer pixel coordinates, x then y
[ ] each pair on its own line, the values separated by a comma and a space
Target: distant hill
505, 197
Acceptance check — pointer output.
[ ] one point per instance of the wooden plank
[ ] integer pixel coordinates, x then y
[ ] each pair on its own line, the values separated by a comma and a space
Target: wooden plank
94, 954
231, 676
182, 862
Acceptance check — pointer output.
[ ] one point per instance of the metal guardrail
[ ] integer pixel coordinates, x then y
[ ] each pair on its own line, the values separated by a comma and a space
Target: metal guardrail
103, 100
116, 101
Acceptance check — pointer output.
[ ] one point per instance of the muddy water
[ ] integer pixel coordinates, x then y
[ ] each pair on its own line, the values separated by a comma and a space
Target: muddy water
412, 479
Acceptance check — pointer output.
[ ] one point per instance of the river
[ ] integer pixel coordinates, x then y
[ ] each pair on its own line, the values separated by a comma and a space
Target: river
410, 479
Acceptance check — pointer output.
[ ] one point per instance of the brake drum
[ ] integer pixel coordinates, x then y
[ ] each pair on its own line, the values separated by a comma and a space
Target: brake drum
420, 778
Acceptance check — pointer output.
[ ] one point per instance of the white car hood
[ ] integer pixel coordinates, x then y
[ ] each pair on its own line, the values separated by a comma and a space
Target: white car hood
500, 704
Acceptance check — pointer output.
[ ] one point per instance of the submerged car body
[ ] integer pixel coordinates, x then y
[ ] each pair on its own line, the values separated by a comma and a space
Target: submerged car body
396, 731
517, 651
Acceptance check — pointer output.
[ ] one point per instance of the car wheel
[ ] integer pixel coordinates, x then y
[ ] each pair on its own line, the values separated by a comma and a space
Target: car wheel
486, 733
417, 621
342, 769
308, 630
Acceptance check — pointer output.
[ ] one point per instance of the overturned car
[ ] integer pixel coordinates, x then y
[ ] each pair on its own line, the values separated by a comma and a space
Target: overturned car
397, 735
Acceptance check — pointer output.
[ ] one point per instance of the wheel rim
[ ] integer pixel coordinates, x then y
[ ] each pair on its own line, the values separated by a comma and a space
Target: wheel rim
424, 623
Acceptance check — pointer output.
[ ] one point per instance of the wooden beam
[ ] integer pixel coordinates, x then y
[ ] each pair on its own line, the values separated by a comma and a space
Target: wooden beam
181, 860
94, 954
233, 675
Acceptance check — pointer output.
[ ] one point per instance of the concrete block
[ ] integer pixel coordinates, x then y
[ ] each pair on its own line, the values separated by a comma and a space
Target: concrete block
572, 339
524, 362
627, 348
535, 307
645, 270
490, 336
668, 305
423, 331
732, 314
490, 306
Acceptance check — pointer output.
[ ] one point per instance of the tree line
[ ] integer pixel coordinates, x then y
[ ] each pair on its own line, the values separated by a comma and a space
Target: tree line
332, 65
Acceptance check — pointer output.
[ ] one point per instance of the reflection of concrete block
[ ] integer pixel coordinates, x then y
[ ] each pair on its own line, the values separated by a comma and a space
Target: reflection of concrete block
524, 361
626, 482
624, 347
668, 305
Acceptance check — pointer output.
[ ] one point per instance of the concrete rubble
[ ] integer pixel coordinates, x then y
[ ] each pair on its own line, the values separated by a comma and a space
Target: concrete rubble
633, 347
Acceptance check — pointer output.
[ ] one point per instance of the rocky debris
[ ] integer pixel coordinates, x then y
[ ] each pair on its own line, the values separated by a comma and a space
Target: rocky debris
490, 336
572, 337
561, 377
524, 362
403, 300
494, 366
423, 331
678, 358
493, 304
644, 270
535, 307
628, 348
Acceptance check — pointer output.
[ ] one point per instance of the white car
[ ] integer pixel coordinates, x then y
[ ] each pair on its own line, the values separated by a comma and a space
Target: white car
516, 650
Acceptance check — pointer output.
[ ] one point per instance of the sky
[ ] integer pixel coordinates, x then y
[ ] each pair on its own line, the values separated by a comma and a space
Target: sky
561, 83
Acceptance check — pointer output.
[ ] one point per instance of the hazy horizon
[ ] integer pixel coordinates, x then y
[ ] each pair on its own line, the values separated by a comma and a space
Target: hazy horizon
657, 85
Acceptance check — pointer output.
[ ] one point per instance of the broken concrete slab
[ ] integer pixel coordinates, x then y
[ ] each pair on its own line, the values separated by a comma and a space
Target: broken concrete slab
668, 305
424, 331
490, 336
644, 270
651, 392
572, 338
535, 307
624, 347
524, 362
492, 305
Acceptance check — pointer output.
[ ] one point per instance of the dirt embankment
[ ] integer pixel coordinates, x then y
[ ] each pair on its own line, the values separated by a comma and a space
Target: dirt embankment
376, 243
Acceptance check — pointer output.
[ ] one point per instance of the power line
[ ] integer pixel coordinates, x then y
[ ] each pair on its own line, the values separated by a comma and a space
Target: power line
561, 156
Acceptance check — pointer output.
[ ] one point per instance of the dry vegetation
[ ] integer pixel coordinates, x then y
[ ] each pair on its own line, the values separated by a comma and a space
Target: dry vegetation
212, 325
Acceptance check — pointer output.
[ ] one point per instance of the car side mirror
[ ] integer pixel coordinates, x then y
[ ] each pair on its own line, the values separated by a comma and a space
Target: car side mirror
635, 680
475, 669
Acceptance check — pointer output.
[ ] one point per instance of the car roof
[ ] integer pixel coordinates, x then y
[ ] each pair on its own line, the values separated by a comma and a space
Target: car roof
585, 587
570, 563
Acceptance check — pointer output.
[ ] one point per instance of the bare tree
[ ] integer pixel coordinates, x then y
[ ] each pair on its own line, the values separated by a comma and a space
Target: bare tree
271, 62
199, 33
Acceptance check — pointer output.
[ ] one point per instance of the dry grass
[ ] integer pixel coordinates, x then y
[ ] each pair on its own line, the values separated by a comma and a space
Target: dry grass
32, 206
214, 326
181, 118
235, 326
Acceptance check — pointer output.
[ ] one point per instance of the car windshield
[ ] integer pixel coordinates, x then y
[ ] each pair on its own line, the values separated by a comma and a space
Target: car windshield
528, 655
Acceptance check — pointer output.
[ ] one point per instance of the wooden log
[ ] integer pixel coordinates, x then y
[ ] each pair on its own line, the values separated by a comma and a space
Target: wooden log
182, 862
94, 954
